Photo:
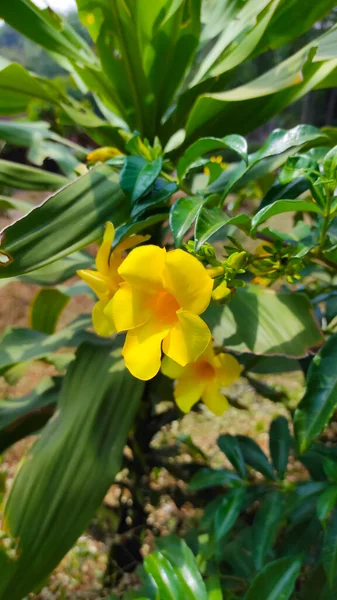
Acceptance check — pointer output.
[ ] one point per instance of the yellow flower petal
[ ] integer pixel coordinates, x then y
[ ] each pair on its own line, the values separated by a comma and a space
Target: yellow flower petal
127, 309
171, 369
102, 325
143, 267
142, 350
228, 369
103, 254
188, 390
187, 339
214, 400
130, 242
187, 280
95, 280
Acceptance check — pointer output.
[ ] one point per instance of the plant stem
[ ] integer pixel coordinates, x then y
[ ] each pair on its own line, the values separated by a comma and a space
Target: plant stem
326, 221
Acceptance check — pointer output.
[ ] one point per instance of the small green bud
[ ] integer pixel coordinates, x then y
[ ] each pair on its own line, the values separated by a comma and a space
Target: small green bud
237, 260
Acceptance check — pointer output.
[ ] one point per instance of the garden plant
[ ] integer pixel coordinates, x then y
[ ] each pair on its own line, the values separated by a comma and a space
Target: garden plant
163, 213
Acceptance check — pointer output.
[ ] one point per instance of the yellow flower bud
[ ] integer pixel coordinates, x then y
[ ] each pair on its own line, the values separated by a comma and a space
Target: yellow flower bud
103, 154
237, 260
221, 293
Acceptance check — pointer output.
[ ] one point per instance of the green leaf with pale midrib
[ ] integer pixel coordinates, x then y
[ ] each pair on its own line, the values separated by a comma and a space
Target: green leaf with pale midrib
70, 219
70, 468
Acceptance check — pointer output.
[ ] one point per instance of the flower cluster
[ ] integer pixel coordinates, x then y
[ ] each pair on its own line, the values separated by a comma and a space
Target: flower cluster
157, 297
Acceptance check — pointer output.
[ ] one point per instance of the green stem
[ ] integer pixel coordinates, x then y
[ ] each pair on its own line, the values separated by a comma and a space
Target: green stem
326, 221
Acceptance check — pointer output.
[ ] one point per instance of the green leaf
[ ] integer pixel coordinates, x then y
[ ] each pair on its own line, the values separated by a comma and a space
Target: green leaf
138, 175
157, 197
326, 503
206, 478
329, 550
46, 29
276, 581
96, 198
19, 344
255, 457
21, 177
212, 220
330, 165
283, 206
20, 417
279, 445
228, 512
164, 575
251, 323
290, 190
182, 216
18, 88
80, 449
185, 566
244, 108
204, 145
330, 469
320, 398
46, 309
229, 445
9, 203
60, 270
267, 522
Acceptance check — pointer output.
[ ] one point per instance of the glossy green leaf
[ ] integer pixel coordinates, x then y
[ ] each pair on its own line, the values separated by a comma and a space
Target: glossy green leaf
320, 398
138, 176
20, 417
251, 323
22, 177
229, 445
212, 220
164, 576
206, 478
279, 445
278, 190
276, 581
326, 502
267, 522
255, 457
329, 550
182, 216
205, 145
283, 206
46, 309
96, 197
227, 513
156, 198
80, 449
185, 566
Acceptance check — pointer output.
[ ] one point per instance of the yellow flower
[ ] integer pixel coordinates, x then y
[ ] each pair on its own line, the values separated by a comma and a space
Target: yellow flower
158, 305
203, 379
103, 154
105, 281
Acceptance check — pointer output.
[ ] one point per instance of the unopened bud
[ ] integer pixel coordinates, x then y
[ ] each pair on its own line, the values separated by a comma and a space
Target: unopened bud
222, 293
237, 260
103, 154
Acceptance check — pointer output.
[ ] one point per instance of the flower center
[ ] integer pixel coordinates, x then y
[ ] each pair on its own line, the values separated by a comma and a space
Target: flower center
165, 307
204, 369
